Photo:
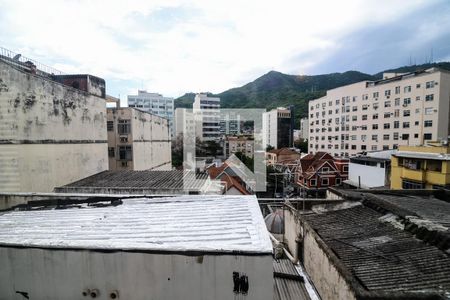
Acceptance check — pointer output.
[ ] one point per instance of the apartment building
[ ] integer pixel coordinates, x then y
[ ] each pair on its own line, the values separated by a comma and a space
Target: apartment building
421, 167
207, 117
243, 144
137, 140
304, 129
278, 127
156, 104
400, 109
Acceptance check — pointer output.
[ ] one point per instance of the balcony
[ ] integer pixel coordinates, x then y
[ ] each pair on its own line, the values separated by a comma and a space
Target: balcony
437, 178
417, 175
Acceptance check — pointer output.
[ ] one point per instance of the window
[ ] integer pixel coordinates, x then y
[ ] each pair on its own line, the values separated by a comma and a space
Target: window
417, 110
355, 108
353, 147
406, 101
110, 125
427, 136
387, 93
412, 185
375, 116
338, 181
396, 124
365, 97
364, 107
124, 127
405, 136
364, 117
312, 182
338, 101
124, 139
428, 123
397, 101
429, 97
387, 103
364, 127
396, 113
325, 169
428, 110
354, 118
418, 86
405, 124
345, 169
125, 153
417, 98
387, 115
416, 135
374, 137
407, 89
385, 147
325, 181
386, 137
397, 90
387, 125
429, 84
375, 106
375, 95
374, 147
374, 126
395, 136
111, 152
416, 123
363, 147
406, 113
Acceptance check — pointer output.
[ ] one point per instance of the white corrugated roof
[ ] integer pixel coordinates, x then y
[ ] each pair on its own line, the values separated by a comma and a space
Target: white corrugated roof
185, 223
423, 155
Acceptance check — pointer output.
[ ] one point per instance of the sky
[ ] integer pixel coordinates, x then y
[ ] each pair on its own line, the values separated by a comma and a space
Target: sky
174, 47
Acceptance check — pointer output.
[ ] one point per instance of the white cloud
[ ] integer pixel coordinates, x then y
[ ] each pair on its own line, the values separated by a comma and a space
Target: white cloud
218, 46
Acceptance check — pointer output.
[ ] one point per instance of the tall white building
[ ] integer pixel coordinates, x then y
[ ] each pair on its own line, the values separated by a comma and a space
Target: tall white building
400, 109
207, 116
278, 128
304, 128
154, 103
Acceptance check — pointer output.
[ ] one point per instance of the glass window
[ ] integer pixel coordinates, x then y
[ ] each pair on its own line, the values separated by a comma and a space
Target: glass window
110, 125
407, 89
429, 97
428, 123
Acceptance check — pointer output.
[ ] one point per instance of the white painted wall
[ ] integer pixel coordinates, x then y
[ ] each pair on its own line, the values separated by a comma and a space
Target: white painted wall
60, 274
371, 176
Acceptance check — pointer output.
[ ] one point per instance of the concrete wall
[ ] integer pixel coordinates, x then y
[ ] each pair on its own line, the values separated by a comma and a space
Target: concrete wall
326, 278
60, 274
50, 134
371, 176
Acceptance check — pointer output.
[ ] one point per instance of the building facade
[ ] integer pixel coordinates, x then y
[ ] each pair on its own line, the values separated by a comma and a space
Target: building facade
304, 129
278, 127
156, 104
421, 167
316, 173
405, 109
207, 117
52, 128
242, 144
138, 140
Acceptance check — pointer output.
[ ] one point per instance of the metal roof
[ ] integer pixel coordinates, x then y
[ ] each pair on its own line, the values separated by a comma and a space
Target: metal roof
184, 223
422, 155
288, 284
143, 182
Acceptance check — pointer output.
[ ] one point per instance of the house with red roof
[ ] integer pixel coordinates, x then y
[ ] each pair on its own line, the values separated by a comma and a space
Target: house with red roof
233, 184
316, 172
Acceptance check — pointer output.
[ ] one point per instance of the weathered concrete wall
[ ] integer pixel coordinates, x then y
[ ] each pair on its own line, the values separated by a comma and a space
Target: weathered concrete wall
50, 134
149, 138
291, 231
328, 281
60, 274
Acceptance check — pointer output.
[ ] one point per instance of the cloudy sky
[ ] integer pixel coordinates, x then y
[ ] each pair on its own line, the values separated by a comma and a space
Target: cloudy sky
173, 47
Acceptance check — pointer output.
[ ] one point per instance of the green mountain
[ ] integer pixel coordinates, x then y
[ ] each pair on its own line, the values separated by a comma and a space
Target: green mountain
277, 89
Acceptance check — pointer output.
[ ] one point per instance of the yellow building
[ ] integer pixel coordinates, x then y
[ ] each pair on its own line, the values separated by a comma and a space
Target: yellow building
421, 167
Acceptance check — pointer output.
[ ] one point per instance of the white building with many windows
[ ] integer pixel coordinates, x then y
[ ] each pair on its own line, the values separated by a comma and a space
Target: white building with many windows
207, 117
154, 103
400, 109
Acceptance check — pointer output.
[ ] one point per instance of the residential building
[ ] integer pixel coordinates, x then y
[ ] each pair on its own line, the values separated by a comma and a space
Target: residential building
243, 144
138, 140
277, 156
52, 128
317, 172
421, 167
304, 129
278, 127
231, 179
184, 247
147, 182
406, 109
156, 104
207, 117
230, 126
184, 121
371, 170
378, 245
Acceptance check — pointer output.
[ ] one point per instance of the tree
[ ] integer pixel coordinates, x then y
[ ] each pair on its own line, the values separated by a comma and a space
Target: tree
302, 145
248, 161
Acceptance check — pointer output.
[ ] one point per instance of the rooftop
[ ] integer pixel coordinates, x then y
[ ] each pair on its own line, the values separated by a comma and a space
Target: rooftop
288, 283
143, 182
221, 224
